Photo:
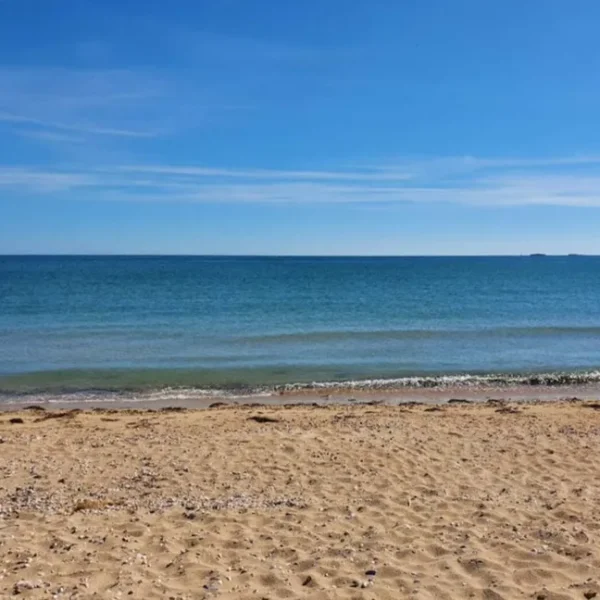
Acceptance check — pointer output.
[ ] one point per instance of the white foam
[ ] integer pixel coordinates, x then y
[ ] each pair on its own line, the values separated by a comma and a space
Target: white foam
182, 395
441, 381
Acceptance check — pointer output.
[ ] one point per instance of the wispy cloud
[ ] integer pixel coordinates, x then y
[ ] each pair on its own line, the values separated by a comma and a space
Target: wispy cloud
574, 181
29, 180
119, 103
203, 77
446, 171
534, 191
268, 174
457, 166
88, 102
51, 136
76, 127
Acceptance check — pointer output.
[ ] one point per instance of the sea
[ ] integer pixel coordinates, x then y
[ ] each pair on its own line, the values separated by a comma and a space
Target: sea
156, 327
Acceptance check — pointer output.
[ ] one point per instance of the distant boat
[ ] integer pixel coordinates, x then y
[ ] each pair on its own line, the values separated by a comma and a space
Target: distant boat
574, 254
538, 254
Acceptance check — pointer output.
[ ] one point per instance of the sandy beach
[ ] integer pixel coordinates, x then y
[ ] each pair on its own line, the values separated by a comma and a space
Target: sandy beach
490, 501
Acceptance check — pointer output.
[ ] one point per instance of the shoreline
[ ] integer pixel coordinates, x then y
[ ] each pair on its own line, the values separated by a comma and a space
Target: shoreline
337, 396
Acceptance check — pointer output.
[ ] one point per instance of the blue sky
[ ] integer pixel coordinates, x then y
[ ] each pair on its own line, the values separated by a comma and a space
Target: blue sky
287, 127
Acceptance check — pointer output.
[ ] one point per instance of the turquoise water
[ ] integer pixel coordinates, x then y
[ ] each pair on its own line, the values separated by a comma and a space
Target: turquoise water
115, 324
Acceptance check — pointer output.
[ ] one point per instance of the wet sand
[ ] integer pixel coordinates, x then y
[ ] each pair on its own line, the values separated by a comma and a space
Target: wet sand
190, 399
493, 500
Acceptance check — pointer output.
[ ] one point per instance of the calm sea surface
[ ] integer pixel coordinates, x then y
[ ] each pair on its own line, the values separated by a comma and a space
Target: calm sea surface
79, 324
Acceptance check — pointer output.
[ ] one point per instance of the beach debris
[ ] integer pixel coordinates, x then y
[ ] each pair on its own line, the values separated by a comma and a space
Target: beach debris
357, 583
590, 594
24, 586
263, 419
508, 410
35, 407
217, 404
16, 421
308, 581
459, 401
214, 582
434, 409
92, 504
69, 414
594, 405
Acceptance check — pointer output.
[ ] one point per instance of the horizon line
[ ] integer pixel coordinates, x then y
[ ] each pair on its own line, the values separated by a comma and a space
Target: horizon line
153, 255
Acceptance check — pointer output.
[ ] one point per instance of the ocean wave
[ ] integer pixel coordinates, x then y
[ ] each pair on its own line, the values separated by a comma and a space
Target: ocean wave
325, 336
99, 397
455, 381
175, 394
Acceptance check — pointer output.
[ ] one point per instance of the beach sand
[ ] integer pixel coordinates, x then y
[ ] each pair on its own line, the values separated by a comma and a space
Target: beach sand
486, 501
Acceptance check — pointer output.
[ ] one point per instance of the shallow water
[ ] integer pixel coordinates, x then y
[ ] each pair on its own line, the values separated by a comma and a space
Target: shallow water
81, 324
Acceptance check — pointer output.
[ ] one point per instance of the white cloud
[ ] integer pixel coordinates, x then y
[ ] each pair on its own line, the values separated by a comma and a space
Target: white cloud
452, 167
33, 180
268, 174
530, 184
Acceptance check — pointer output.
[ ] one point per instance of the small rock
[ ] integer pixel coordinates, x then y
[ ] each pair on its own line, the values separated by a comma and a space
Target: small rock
590, 594
16, 421
307, 581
